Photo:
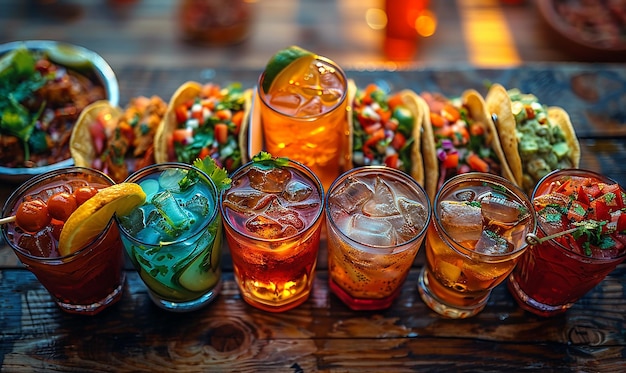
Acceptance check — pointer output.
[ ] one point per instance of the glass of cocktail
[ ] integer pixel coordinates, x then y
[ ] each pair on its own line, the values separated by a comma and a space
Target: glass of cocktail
581, 238
89, 278
273, 220
376, 220
174, 238
303, 102
475, 238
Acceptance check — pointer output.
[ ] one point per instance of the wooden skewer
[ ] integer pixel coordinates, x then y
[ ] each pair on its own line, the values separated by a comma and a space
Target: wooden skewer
8, 219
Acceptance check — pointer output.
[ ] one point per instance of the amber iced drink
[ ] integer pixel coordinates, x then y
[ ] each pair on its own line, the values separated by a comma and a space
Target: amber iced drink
273, 217
376, 219
303, 102
584, 214
476, 236
87, 280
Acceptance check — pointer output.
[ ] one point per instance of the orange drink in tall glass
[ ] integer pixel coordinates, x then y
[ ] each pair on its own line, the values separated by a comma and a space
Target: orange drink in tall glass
303, 103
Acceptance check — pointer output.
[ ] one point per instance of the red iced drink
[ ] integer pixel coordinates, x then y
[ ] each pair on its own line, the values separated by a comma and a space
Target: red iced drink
583, 213
85, 281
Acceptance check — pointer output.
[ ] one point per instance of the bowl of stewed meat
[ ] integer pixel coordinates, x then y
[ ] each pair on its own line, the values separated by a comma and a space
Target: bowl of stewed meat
44, 85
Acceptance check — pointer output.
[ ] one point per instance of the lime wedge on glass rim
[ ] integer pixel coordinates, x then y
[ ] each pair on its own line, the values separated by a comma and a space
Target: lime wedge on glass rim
279, 63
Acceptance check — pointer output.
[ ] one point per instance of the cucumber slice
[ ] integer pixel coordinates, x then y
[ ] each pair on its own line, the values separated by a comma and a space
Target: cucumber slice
164, 291
197, 277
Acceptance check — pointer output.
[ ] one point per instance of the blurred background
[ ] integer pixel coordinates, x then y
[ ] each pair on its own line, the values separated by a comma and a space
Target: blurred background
358, 34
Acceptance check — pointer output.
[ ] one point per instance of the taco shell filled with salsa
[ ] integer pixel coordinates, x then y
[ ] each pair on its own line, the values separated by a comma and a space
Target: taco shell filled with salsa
461, 138
114, 140
386, 129
536, 139
205, 120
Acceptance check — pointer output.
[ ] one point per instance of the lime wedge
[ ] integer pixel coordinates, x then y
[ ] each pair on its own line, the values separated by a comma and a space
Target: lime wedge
69, 56
280, 61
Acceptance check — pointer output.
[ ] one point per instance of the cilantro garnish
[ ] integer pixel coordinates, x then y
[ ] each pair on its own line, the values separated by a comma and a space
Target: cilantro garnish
265, 159
208, 166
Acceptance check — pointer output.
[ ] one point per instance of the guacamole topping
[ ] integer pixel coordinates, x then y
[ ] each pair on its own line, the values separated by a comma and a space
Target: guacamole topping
542, 145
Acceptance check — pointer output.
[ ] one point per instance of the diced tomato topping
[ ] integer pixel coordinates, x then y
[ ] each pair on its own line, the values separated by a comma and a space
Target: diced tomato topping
451, 113
221, 133
621, 222
477, 163
180, 135
451, 160
395, 101
392, 160
398, 141
602, 211
181, 114
437, 120
204, 152
476, 129
582, 195
237, 120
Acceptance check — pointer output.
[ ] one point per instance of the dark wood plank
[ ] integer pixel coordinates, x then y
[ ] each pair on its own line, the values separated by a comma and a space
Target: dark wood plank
322, 334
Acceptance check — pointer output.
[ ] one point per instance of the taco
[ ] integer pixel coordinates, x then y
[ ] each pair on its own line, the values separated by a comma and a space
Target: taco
386, 129
462, 138
117, 141
205, 120
536, 139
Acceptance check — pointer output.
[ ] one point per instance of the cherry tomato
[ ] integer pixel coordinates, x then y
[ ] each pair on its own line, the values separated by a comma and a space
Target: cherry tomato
84, 193
61, 205
32, 216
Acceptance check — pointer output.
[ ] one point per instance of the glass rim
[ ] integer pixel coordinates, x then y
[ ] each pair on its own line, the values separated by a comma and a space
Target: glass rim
308, 118
492, 180
579, 172
378, 249
138, 175
35, 180
301, 167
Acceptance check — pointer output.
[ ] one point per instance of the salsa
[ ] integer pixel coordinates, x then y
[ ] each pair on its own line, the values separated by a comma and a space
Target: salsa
209, 125
383, 128
591, 210
460, 140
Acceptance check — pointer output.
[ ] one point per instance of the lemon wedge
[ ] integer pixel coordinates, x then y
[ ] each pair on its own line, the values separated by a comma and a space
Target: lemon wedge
90, 218
278, 64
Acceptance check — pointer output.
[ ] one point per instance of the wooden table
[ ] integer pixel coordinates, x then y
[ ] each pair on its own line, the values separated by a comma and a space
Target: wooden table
323, 334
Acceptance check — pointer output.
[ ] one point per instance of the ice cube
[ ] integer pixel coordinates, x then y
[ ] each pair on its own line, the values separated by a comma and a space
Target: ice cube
413, 212
272, 180
285, 100
383, 201
283, 215
351, 195
313, 106
169, 178
39, 244
491, 243
264, 227
371, 231
297, 191
151, 235
198, 205
247, 200
150, 187
499, 211
169, 208
462, 220
134, 221
465, 195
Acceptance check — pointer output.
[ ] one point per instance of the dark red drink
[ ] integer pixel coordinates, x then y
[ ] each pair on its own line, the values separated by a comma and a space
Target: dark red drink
86, 281
551, 276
